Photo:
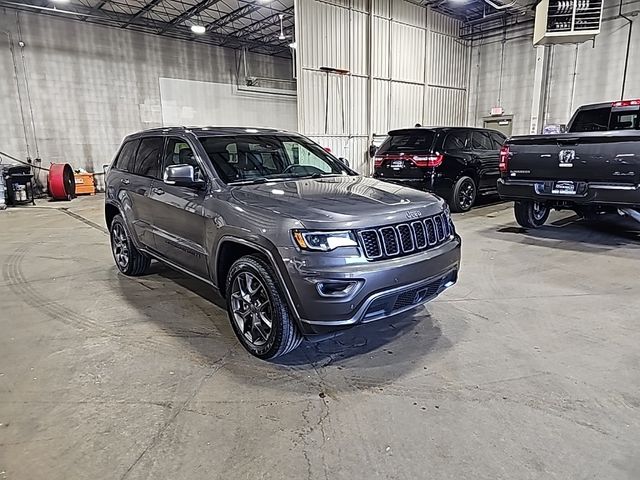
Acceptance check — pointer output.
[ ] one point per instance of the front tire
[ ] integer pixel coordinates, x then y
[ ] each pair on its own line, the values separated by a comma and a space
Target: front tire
128, 258
257, 310
464, 195
531, 214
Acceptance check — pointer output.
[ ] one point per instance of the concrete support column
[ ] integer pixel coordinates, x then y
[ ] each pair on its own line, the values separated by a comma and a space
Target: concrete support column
539, 88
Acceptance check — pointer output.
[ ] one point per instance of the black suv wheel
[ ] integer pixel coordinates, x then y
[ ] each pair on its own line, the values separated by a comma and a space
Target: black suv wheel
464, 194
128, 258
531, 214
257, 310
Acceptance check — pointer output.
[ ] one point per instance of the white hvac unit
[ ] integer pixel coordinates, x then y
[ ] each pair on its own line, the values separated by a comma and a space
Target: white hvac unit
567, 21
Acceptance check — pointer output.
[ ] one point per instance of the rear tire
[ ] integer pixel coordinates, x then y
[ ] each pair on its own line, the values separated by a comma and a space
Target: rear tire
129, 260
258, 313
464, 195
531, 214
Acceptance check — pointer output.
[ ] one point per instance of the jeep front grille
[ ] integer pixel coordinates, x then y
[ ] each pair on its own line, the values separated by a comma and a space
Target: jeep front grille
405, 238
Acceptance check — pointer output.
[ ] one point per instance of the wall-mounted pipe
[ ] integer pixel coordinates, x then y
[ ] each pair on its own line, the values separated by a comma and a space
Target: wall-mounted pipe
47, 9
27, 88
15, 73
626, 57
574, 80
497, 30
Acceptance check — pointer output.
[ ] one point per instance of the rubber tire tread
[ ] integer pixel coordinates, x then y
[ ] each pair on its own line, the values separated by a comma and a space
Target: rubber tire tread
453, 201
288, 337
523, 211
138, 262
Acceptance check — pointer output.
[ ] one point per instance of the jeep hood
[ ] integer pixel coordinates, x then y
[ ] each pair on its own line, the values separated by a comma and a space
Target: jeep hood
346, 201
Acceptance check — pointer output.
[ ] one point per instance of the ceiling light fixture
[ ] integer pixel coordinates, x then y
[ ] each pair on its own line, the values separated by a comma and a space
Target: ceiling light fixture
198, 29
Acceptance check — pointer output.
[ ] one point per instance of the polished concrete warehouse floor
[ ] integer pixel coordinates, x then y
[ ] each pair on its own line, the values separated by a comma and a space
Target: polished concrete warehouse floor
529, 368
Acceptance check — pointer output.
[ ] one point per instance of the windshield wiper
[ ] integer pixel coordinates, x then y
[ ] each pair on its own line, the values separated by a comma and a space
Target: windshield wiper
318, 175
249, 182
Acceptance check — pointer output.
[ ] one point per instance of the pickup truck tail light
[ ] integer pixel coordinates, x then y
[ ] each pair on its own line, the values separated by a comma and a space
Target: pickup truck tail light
626, 103
504, 159
428, 160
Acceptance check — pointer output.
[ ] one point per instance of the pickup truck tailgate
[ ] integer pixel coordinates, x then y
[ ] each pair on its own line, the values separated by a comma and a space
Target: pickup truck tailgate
582, 157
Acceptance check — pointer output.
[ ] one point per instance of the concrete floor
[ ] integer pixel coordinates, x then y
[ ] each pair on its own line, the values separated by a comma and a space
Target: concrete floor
529, 368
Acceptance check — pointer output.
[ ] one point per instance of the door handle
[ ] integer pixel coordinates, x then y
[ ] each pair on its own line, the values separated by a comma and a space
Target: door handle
157, 191
125, 181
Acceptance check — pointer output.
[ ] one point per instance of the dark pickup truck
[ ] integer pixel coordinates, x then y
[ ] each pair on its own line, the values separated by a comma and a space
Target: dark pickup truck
593, 168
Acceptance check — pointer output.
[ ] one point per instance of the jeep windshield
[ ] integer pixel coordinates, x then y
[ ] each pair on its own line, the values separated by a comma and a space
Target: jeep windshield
260, 158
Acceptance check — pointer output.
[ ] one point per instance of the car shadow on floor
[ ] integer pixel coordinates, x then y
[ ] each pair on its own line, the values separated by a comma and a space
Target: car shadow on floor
488, 201
392, 337
393, 344
570, 232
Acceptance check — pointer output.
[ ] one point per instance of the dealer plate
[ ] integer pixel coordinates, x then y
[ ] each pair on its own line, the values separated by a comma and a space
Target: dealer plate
564, 188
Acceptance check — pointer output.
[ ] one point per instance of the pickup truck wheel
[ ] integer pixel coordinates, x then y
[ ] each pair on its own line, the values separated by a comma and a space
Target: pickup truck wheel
257, 310
464, 195
128, 258
531, 214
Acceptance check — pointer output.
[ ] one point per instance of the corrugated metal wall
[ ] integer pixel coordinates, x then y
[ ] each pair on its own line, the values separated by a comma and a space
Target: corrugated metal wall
586, 73
407, 65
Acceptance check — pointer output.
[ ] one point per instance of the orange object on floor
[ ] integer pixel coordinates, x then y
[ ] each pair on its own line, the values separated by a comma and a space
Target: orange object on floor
85, 185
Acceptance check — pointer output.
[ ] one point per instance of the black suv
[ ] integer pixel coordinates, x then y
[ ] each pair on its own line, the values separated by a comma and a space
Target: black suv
456, 163
297, 242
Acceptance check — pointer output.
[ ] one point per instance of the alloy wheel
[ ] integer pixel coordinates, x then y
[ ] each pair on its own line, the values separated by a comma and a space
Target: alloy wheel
539, 211
252, 312
120, 245
466, 194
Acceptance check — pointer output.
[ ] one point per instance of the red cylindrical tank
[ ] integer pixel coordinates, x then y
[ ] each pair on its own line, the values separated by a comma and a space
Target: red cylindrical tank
62, 184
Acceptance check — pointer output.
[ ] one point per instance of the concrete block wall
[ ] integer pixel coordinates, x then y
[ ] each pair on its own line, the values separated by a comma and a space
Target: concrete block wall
89, 85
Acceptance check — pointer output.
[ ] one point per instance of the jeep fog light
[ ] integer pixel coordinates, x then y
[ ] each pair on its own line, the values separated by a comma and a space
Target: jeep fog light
336, 288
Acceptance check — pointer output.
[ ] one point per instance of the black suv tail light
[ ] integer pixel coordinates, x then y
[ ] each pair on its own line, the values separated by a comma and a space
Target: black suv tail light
428, 160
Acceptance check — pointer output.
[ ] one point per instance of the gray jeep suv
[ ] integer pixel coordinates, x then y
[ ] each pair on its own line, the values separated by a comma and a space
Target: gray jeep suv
297, 243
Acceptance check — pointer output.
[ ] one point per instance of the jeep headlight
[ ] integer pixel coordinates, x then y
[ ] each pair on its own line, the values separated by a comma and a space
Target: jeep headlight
324, 241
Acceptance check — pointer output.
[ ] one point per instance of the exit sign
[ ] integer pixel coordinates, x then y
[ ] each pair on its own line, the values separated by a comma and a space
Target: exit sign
495, 111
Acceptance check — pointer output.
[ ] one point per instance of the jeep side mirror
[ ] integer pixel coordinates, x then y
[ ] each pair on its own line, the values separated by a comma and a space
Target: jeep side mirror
372, 150
182, 175
344, 161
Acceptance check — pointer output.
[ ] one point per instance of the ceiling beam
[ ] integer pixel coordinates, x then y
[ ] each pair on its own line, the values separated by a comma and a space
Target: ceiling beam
140, 12
264, 23
186, 15
142, 24
232, 16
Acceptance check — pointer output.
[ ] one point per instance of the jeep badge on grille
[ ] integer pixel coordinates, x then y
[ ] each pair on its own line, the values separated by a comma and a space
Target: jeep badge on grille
414, 214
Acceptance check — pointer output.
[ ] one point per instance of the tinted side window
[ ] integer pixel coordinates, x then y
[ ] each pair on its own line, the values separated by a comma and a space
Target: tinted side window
498, 140
481, 141
148, 157
126, 155
456, 141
